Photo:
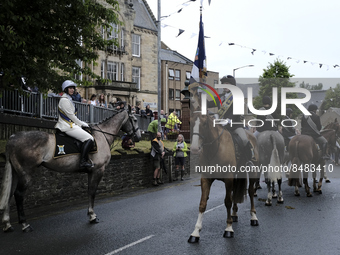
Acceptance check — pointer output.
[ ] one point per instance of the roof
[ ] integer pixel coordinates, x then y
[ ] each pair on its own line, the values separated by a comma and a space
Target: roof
317, 97
174, 56
144, 17
244, 88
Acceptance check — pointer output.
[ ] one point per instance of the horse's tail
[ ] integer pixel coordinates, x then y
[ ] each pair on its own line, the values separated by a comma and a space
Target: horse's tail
275, 173
294, 176
6, 184
240, 189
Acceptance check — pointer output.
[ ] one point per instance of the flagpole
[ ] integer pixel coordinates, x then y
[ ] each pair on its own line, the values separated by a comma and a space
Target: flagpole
159, 66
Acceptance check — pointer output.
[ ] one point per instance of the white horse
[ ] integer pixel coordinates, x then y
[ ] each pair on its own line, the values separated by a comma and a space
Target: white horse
25, 151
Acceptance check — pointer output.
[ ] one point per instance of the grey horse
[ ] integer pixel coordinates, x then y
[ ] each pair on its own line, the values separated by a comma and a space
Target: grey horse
271, 157
25, 151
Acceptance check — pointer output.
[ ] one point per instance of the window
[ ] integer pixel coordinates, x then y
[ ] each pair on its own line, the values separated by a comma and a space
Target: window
80, 75
171, 94
122, 70
188, 75
102, 69
122, 39
171, 74
177, 75
112, 71
136, 76
102, 31
178, 113
113, 34
135, 45
215, 81
178, 94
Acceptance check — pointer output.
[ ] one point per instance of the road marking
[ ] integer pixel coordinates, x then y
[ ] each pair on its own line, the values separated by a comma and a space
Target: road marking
214, 208
130, 245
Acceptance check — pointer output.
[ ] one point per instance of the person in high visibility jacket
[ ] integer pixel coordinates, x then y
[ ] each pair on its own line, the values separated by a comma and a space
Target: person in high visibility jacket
173, 121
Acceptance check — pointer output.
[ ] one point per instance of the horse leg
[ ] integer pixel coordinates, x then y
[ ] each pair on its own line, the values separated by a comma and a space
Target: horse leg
228, 201
314, 182
19, 200
322, 175
327, 180
280, 199
205, 190
273, 190
251, 191
269, 196
93, 181
305, 182
234, 213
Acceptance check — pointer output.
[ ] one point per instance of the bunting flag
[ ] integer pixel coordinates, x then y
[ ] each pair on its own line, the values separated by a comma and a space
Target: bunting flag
199, 68
181, 31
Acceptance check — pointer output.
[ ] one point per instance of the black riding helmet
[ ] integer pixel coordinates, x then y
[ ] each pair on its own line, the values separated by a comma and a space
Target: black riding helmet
266, 100
289, 111
312, 107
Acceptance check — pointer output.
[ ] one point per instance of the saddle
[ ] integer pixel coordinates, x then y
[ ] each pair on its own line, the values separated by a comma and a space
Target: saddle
67, 145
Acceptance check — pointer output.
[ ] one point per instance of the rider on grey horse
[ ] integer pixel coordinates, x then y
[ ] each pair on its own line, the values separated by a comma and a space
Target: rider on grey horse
288, 130
311, 125
71, 125
226, 112
266, 125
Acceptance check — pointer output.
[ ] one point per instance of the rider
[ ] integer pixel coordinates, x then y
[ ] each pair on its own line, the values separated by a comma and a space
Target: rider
266, 125
235, 126
311, 125
71, 125
288, 131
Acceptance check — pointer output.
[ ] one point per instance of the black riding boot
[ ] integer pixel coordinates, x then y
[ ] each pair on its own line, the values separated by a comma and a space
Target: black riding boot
249, 153
324, 152
85, 149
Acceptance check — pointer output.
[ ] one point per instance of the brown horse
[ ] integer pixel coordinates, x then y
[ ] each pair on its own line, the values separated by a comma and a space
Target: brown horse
215, 148
306, 157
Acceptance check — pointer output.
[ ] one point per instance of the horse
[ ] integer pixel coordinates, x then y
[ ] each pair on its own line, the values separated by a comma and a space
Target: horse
336, 127
271, 148
306, 157
25, 151
215, 146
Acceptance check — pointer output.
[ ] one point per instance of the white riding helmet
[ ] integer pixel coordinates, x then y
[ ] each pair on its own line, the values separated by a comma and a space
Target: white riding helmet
68, 83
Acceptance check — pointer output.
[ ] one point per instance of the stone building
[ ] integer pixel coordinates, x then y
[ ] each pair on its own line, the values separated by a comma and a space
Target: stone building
130, 67
175, 70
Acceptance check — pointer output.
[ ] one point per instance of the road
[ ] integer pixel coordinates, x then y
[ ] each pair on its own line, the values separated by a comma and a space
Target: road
160, 220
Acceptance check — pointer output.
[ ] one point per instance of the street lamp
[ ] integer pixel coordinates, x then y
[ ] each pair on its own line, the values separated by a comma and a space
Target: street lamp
240, 68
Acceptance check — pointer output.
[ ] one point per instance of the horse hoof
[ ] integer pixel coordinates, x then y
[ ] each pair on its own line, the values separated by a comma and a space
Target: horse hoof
274, 196
254, 222
9, 230
27, 229
328, 181
255, 194
193, 239
297, 194
268, 204
258, 187
320, 191
94, 221
234, 218
309, 195
228, 234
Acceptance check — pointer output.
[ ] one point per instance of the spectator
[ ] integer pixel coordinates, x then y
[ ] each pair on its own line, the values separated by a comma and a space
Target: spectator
172, 121
76, 96
153, 128
137, 109
127, 143
93, 100
162, 115
180, 152
157, 153
120, 105
101, 102
148, 112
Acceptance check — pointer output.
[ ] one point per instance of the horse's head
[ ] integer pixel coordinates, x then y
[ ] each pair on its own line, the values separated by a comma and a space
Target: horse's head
131, 127
200, 131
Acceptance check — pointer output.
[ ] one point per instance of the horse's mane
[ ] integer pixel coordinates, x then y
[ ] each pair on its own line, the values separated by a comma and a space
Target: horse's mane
115, 112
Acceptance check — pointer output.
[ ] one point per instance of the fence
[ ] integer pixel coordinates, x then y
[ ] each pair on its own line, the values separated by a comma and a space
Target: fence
33, 104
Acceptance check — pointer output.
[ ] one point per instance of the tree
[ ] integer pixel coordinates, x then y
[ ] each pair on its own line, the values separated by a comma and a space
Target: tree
41, 40
311, 87
332, 98
276, 75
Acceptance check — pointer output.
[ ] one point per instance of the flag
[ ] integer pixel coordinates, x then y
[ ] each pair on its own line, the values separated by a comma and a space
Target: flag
199, 69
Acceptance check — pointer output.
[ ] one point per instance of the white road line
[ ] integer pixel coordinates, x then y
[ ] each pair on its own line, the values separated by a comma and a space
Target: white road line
214, 208
130, 245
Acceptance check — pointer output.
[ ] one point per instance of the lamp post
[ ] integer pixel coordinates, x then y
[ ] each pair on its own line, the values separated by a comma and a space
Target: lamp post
240, 68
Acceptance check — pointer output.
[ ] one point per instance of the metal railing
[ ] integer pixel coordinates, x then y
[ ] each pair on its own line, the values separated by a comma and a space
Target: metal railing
34, 104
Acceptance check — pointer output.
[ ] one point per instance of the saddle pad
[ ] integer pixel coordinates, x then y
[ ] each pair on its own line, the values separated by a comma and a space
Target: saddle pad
66, 146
